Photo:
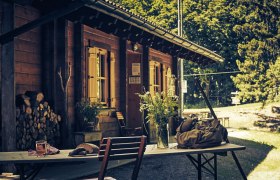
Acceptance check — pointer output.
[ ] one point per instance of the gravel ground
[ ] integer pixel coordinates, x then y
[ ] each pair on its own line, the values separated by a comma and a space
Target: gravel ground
173, 167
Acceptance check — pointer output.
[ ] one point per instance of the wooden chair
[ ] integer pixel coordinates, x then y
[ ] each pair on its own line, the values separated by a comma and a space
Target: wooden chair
122, 123
125, 131
118, 148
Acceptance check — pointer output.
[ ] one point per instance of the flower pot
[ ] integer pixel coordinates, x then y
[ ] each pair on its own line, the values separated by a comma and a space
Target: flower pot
162, 136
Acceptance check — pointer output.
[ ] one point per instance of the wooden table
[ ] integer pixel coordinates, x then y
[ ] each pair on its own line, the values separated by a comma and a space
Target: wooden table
209, 164
22, 159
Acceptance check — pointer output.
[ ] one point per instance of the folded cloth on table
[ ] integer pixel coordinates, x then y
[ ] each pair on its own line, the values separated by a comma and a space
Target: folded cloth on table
52, 150
84, 149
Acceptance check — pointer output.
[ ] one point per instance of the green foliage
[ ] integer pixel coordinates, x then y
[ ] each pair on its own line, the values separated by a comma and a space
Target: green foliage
273, 82
161, 12
259, 47
159, 107
89, 110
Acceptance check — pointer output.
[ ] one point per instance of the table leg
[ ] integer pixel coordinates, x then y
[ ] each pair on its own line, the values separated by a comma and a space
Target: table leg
238, 165
21, 172
215, 167
199, 167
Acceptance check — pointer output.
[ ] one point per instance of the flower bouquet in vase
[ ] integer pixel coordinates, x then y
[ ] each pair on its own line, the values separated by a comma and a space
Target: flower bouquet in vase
159, 107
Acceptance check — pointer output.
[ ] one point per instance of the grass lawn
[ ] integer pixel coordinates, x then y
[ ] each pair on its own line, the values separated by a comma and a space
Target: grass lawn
261, 158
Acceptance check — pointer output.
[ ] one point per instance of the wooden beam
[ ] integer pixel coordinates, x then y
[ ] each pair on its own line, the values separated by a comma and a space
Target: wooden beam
8, 36
48, 62
109, 78
8, 93
78, 71
122, 75
146, 83
61, 85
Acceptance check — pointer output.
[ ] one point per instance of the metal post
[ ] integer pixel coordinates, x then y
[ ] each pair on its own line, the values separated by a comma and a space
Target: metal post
180, 17
180, 61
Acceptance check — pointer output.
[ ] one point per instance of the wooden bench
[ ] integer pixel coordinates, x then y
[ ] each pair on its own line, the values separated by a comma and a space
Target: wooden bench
223, 121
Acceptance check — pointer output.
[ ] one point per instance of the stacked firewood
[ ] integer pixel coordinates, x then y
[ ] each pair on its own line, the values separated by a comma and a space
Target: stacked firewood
35, 120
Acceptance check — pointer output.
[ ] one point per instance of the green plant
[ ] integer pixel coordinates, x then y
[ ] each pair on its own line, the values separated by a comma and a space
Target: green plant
89, 111
159, 107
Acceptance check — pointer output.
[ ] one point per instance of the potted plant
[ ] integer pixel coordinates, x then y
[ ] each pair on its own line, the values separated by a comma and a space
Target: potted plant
89, 112
160, 107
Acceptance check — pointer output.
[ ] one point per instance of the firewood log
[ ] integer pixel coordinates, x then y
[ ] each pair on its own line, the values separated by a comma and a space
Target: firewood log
28, 110
35, 97
46, 104
35, 120
22, 99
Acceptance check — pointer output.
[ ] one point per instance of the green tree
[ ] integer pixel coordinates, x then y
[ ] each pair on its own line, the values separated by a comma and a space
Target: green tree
210, 24
258, 30
273, 83
161, 12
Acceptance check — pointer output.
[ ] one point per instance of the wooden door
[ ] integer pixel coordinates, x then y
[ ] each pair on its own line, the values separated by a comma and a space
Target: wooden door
133, 115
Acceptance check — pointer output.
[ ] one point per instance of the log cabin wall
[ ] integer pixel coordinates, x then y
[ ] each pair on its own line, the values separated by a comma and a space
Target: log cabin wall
26, 56
27, 59
27, 52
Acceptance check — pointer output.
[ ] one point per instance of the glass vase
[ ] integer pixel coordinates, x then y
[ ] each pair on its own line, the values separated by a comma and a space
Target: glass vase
162, 136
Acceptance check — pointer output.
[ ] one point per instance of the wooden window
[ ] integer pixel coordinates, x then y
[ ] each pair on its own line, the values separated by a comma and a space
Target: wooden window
98, 77
155, 77
170, 82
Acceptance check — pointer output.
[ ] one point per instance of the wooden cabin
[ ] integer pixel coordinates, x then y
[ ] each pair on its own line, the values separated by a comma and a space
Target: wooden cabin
74, 49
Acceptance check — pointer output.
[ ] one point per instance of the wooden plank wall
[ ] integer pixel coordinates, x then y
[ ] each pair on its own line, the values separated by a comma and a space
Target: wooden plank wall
27, 52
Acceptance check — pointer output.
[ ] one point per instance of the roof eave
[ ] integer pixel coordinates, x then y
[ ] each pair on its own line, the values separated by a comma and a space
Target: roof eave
109, 8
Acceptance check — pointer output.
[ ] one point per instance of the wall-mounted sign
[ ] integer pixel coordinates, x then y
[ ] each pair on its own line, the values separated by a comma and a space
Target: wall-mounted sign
136, 69
185, 86
134, 80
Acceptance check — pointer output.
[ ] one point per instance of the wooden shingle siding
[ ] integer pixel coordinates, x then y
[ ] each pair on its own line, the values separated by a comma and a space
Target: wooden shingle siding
28, 67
